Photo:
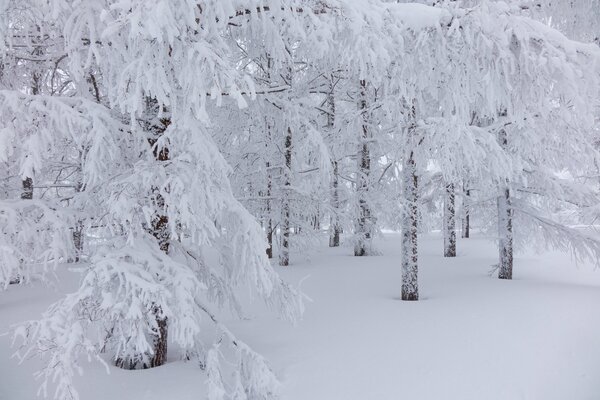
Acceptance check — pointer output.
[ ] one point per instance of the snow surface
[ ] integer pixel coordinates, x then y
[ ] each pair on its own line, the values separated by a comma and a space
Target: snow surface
470, 337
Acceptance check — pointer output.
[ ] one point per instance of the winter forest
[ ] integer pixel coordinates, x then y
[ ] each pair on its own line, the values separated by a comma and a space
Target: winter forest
299, 199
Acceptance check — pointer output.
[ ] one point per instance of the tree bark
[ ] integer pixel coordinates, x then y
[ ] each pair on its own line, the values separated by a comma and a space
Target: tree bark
284, 254
159, 228
410, 267
466, 222
334, 226
269, 224
364, 223
160, 340
27, 193
505, 234
334, 222
449, 222
505, 215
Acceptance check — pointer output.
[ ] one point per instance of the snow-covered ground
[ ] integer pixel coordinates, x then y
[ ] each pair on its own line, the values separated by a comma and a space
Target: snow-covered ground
470, 337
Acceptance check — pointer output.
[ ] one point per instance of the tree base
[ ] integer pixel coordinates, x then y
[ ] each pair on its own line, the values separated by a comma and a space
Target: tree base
505, 276
410, 296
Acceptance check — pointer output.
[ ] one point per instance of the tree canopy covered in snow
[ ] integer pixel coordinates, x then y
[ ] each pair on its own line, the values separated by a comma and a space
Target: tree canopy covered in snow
170, 148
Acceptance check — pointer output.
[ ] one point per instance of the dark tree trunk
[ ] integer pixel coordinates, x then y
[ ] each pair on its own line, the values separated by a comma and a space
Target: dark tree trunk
159, 228
78, 240
160, 340
27, 193
284, 254
334, 227
410, 267
334, 222
505, 217
466, 222
364, 223
449, 222
505, 234
269, 126
78, 228
269, 224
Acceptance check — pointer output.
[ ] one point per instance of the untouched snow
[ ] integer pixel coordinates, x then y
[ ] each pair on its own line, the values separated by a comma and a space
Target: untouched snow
470, 337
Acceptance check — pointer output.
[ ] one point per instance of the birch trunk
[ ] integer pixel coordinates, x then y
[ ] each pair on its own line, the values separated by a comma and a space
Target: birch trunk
449, 222
334, 226
269, 224
505, 224
160, 230
364, 227
410, 268
284, 254
505, 234
466, 222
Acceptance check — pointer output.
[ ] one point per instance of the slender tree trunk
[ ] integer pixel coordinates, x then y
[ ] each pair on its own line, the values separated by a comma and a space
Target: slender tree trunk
160, 230
160, 340
334, 226
78, 240
27, 193
505, 216
364, 223
466, 222
78, 231
269, 225
284, 254
449, 222
505, 234
36, 89
410, 267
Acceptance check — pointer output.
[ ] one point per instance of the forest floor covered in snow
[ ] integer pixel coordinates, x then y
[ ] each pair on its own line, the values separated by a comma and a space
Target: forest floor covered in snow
471, 336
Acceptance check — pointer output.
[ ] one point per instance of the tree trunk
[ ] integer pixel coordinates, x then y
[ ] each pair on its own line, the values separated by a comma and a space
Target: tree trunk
505, 215
466, 222
160, 340
334, 226
364, 223
410, 267
78, 233
449, 222
159, 228
284, 254
78, 240
505, 235
27, 193
269, 225
78, 228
